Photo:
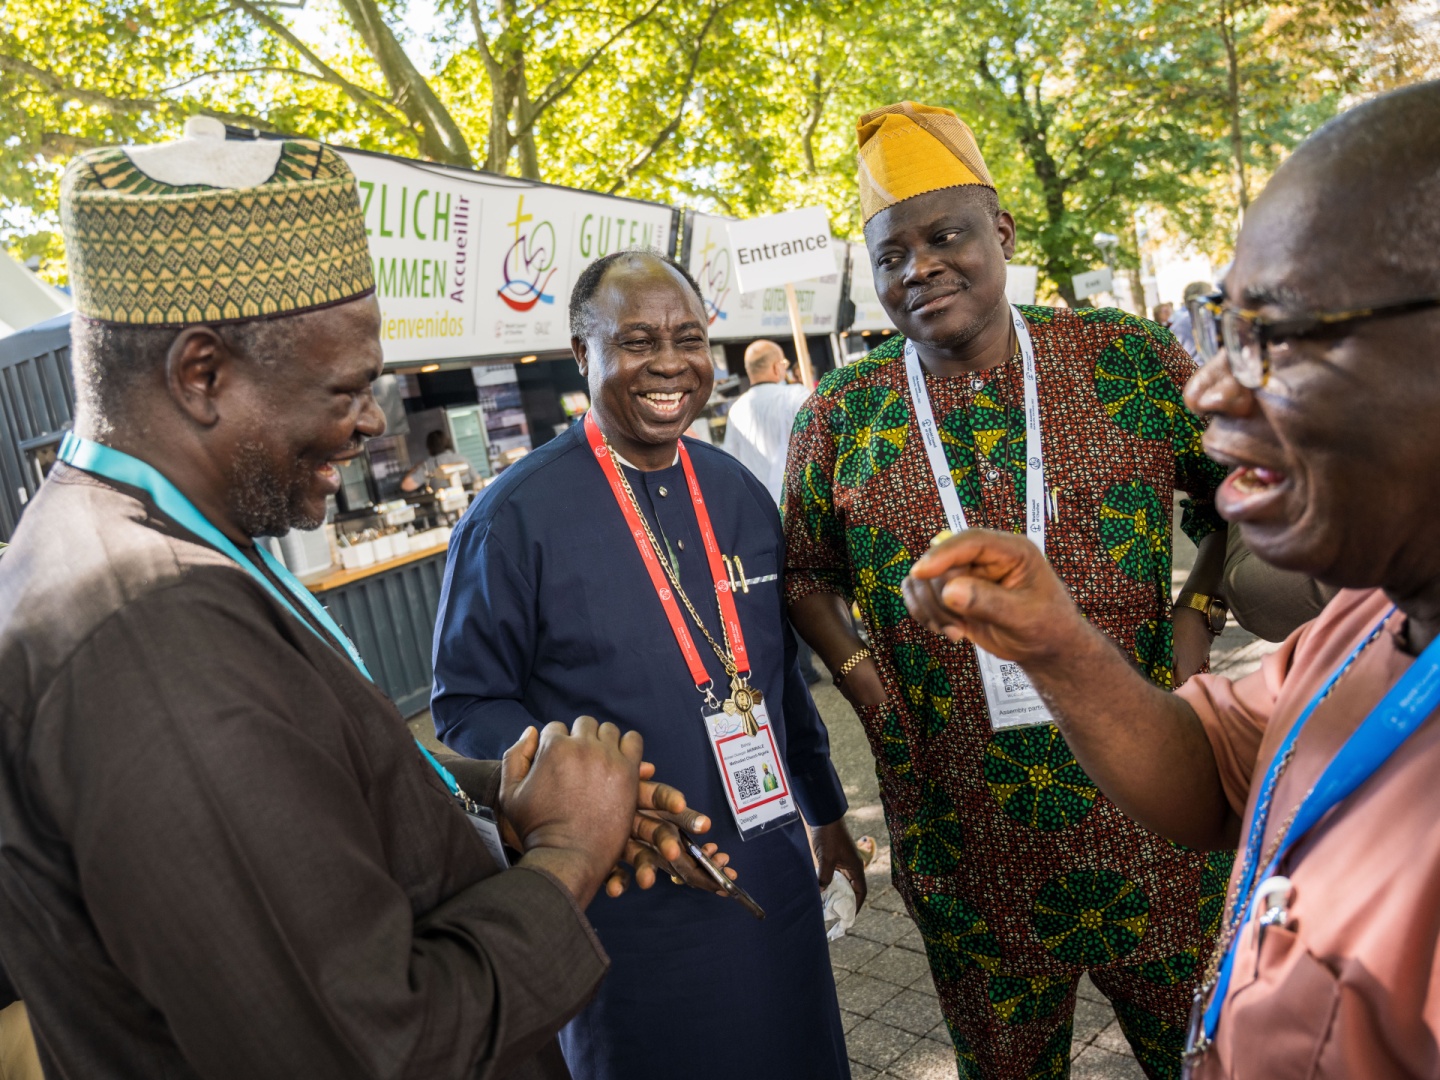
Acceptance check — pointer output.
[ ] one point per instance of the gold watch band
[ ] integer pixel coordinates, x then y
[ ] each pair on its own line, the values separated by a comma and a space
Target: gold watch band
1197, 600
850, 665
1213, 608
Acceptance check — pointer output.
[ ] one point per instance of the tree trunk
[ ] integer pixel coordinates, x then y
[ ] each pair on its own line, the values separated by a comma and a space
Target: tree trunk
529, 155
1237, 130
1137, 292
504, 92
815, 111
1065, 282
1135, 273
439, 135
1031, 124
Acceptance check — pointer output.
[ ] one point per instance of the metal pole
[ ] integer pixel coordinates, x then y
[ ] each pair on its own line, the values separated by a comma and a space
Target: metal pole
802, 350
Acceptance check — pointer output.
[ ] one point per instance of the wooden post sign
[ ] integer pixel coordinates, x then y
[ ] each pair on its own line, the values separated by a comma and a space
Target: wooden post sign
781, 249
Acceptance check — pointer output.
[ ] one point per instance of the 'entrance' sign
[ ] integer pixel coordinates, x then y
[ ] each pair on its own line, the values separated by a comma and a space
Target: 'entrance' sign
782, 248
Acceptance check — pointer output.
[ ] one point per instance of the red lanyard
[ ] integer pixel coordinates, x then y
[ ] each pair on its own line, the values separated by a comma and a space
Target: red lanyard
657, 572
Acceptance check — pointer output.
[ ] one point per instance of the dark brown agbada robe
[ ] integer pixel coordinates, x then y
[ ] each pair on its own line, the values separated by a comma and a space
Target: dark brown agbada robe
222, 855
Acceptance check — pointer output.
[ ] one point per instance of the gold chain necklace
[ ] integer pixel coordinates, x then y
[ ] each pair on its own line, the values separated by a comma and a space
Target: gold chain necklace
743, 697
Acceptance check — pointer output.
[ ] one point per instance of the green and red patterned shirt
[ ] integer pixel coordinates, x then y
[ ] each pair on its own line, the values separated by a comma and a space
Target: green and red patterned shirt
861, 506
1018, 871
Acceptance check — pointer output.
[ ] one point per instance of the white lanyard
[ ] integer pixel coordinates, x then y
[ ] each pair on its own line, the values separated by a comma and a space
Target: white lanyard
1009, 694
1034, 452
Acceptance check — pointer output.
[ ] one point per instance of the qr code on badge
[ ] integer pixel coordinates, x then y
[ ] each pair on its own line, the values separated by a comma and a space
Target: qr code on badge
747, 784
1013, 678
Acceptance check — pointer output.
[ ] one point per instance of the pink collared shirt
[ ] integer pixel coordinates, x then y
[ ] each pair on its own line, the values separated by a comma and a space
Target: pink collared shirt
1350, 986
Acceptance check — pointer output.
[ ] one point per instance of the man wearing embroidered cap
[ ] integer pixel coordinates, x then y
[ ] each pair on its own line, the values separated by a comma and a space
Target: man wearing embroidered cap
1068, 427
224, 856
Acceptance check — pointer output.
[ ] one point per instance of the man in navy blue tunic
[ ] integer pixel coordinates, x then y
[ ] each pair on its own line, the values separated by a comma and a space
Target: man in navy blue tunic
549, 610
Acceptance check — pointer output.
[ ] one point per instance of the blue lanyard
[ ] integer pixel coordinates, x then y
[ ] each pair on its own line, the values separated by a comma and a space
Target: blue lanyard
121, 467
1400, 712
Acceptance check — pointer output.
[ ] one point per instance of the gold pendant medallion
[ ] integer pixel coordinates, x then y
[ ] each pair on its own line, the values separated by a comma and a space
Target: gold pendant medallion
742, 700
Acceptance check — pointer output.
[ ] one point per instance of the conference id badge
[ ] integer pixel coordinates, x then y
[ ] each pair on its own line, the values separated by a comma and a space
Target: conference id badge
484, 823
1012, 698
755, 783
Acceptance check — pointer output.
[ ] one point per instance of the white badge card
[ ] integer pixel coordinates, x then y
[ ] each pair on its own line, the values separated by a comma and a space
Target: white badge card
1012, 698
489, 836
755, 783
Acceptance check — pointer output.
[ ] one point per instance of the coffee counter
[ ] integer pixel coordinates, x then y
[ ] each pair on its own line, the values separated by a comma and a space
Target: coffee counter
337, 576
388, 610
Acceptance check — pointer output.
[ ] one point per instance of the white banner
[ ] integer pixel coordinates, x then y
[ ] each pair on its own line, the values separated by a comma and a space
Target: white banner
869, 315
779, 249
745, 316
1020, 283
473, 265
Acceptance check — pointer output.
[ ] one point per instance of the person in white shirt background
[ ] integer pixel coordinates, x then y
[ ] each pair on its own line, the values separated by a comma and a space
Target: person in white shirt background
757, 429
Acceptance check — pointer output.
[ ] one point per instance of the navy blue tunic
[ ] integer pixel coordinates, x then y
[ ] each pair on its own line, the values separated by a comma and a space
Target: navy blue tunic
547, 613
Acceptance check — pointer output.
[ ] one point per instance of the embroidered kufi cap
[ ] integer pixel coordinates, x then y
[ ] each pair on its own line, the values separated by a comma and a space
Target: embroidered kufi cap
910, 149
210, 230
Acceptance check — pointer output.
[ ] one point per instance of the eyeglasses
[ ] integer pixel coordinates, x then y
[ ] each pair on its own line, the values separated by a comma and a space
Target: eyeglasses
1248, 337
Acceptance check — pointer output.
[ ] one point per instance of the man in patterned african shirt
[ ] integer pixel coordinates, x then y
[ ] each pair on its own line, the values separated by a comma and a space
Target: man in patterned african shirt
1019, 873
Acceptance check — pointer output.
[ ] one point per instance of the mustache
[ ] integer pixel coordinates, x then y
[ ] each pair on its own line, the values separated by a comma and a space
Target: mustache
918, 297
352, 447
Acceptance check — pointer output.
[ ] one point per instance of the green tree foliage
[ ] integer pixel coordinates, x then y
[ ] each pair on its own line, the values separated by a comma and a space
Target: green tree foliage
1087, 110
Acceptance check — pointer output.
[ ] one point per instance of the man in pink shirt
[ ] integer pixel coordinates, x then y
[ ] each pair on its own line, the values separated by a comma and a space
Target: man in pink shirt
1325, 764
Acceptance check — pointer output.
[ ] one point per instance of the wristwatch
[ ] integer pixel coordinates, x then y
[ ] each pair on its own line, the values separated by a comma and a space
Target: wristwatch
1212, 607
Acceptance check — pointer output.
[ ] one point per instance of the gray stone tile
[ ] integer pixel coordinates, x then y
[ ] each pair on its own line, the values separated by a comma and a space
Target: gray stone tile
1090, 1019
877, 1045
885, 927
910, 1011
925, 984
898, 966
912, 940
940, 1033
862, 1072
886, 899
852, 953
926, 1060
848, 1020
1086, 989
1097, 1064
1111, 1038
862, 994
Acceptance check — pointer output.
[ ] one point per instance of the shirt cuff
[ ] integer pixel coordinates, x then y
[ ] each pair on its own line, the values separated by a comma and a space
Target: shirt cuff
819, 794
803, 582
478, 779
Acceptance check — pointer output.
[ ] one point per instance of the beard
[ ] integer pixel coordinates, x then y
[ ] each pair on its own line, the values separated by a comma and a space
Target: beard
266, 500
956, 338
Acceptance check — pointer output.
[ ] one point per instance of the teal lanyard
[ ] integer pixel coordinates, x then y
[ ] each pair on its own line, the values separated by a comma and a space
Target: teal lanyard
123, 469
